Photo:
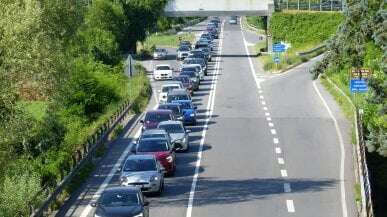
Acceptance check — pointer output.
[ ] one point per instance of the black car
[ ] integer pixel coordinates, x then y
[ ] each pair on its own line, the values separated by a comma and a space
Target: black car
187, 83
201, 61
193, 75
120, 202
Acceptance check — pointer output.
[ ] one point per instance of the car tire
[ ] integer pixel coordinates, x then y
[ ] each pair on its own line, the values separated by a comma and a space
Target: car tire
161, 189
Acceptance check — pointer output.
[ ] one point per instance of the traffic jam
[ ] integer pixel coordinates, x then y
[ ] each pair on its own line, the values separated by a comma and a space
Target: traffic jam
164, 130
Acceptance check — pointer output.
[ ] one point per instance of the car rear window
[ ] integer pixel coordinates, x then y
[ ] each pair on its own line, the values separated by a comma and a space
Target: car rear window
136, 165
166, 89
157, 117
172, 128
182, 79
119, 199
174, 108
177, 97
152, 145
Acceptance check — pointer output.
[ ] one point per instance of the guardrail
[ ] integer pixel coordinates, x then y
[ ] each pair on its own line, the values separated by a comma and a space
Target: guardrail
310, 5
366, 209
87, 153
321, 47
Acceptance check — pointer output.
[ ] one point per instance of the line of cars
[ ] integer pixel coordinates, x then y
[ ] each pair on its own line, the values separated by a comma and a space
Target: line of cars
164, 132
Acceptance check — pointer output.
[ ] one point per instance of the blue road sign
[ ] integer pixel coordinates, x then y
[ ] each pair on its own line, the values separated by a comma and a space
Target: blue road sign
358, 86
279, 47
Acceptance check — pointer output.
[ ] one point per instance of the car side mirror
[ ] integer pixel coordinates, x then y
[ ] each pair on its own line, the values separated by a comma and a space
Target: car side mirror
188, 131
177, 146
159, 91
195, 107
94, 204
119, 169
146, 203
141, 121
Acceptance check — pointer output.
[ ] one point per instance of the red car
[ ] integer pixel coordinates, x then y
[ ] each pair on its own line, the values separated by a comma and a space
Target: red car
153, 118
161, 148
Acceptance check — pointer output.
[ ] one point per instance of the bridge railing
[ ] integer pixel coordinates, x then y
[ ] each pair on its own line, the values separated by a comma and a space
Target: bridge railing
310, 5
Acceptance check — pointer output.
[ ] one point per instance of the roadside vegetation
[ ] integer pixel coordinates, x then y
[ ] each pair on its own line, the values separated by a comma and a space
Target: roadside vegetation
302, 30
61, 77
361, 42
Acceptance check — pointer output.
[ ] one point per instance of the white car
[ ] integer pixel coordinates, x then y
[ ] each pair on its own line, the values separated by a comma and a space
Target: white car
233, 20
163, 92
199, 68
183, 52
163, 72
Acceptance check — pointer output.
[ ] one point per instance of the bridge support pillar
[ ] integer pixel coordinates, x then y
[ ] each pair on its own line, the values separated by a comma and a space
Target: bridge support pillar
269, 38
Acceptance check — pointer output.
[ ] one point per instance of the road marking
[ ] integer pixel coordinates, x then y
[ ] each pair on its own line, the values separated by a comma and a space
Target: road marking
271, 124
267, 114
284, 173
342, 150
210, 109
261, 97
281, 161
268, 118
265, 108
278, 150
263, 103
290, 206
260, 91
273, 131
276, 140
287, 188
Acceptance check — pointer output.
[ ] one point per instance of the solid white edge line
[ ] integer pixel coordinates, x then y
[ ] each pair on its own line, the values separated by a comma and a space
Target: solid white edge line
342, 150
290, 206
210, 108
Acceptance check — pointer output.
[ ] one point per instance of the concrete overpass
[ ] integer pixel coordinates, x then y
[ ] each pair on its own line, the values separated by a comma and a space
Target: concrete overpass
184, 8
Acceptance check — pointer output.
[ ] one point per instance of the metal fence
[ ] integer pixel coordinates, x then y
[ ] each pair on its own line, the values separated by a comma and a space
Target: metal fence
310, 5
366, 209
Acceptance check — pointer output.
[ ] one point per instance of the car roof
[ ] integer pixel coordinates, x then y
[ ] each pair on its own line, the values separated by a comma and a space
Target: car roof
131, 189
171, 84
191, 65
170, 122
183, 100
154, 131
163, 65
159, 111
141, 157
154, 139
170, 104
178, 91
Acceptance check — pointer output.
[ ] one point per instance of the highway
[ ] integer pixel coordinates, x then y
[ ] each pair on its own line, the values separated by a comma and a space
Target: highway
265, 145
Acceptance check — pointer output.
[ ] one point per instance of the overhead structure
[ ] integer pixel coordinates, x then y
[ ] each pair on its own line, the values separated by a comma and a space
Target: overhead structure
205, 8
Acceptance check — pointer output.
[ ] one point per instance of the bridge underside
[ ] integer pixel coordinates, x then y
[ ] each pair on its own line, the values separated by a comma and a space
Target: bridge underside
203, 13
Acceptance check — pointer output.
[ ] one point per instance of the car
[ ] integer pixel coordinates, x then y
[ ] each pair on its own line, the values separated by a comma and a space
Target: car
198, 69
207, 36
178, 94
154, 117
163, 72
177, 132
193, 74
163, 92
161, 148
200, 61
160, 53
121, 201
187, 83
155, 133
214, 33
204, 43
174, 107
145, 172
198, 53
185, 43
233, 20
189, 111
207, 52
214, 22
183, 52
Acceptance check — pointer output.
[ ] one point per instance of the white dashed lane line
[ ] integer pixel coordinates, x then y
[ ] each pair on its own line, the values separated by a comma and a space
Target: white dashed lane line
270, 124
281, 161
268, 118
290, 205
284, 173
278, 150
276, 140
273, 131
267, 114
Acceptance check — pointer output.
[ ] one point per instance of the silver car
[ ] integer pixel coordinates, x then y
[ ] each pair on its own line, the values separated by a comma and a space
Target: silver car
145, 172
177, 133
160, 53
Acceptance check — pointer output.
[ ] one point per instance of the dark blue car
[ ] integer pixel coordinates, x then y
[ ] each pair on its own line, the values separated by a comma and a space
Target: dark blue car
189, 111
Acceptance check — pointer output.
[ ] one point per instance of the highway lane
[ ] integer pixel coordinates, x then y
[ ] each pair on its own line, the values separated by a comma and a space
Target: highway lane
270, 151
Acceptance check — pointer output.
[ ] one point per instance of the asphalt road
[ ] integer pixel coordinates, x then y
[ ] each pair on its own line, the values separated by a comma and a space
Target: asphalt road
264, 145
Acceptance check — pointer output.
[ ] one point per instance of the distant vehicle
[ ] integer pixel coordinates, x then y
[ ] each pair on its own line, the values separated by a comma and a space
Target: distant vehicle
153, 118
121, 201
198, 53
145, 172
180, 94
206, 51
200, 61
189, 111
193, 74
163, 72
175, 108
160, 53
163, 92
185, 43
233, 20
214, 33
177, 132
161, 148
198, 69
203, 42
207, 36
187, 83
183, 52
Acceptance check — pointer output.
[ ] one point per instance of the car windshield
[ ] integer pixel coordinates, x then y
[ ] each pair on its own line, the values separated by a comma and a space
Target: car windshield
191, 74
185, 48
157, 117
188, 69
152, 145
152, 135
172, 128
160, 50
183, 79
137, 165
185, 105
173, 108
163, 68
177, 97
123, 198
166, 89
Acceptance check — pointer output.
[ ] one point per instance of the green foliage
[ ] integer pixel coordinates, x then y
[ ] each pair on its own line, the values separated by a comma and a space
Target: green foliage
256, 21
